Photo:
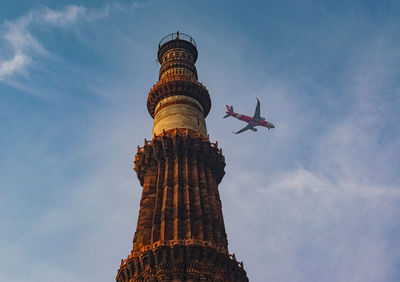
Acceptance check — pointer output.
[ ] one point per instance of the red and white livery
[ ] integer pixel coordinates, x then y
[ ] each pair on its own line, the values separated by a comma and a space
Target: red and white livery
252, 122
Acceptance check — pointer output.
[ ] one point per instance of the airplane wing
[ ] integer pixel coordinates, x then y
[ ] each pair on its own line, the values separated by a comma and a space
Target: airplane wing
257, 116
247, 127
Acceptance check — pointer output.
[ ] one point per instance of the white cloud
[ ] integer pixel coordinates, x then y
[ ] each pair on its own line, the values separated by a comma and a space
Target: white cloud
18, 34
26, 47
64, 17
22, 44
16, 64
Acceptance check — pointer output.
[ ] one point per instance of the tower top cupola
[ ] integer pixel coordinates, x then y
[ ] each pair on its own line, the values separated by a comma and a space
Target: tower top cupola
177, 54
177, 40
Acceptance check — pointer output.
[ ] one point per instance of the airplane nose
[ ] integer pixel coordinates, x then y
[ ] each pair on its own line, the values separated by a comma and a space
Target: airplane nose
272, 126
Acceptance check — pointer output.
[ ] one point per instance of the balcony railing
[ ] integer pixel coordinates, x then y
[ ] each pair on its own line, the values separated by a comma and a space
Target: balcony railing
177, 36
175, 77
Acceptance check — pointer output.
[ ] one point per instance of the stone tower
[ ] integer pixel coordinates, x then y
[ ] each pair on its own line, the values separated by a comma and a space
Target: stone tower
180, 234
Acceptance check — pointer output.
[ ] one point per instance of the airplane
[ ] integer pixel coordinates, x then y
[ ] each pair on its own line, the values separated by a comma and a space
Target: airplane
254, 121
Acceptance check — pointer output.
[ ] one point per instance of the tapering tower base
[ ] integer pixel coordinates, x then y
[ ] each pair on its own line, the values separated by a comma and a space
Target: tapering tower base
180, 234
184, 261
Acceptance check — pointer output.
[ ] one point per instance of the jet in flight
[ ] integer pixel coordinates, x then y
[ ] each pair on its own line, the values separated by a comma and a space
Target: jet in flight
252, 122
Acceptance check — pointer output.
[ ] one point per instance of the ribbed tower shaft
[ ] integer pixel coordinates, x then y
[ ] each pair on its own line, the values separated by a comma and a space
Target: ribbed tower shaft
180, 172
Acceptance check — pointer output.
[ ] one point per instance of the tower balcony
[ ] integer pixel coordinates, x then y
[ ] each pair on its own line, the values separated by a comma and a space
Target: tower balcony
178, 85
177, 36
177, 41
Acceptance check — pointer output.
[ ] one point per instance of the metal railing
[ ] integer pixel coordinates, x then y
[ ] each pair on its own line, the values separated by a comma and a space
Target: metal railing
177, 36
173, 77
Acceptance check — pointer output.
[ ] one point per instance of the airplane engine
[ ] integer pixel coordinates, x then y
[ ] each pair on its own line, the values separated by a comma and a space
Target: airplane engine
254, 129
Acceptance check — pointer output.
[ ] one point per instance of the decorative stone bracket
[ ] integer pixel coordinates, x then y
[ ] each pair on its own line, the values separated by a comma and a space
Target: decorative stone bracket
177, 143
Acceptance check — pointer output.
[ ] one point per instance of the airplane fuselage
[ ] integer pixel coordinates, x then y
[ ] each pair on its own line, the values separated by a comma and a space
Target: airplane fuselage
249, 119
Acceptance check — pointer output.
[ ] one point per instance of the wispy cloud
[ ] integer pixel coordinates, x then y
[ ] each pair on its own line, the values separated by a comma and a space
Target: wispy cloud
64, 17
72, 14
23, 44
14, 65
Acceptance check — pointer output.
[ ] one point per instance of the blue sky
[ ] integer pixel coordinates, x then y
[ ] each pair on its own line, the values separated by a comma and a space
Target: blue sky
315, 199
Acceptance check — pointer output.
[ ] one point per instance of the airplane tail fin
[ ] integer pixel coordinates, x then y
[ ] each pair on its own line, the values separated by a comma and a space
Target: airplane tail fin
229, 112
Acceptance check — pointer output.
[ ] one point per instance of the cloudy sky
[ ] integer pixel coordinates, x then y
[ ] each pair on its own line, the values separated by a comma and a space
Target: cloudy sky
315, 199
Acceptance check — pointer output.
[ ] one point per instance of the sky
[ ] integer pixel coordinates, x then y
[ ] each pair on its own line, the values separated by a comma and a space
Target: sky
315, 199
